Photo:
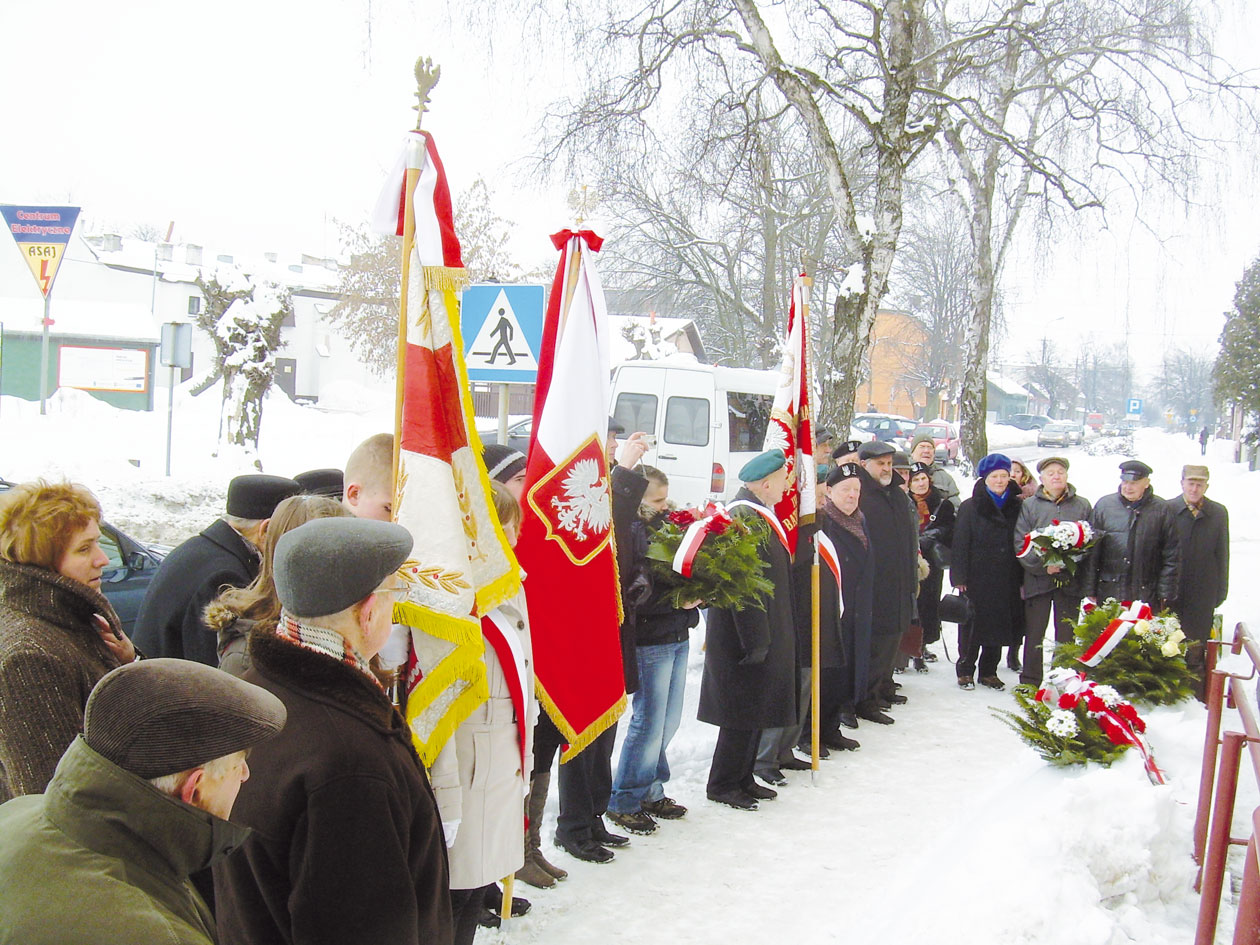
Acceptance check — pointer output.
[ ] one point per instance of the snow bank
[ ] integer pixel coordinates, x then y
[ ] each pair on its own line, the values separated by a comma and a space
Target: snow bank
1002, 436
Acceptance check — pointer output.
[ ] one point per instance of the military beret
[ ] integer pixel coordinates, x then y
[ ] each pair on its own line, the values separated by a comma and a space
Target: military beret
162, 716
762, 465
257, 496
1049, 460
1133, 469
326, 482
992, 462
922, 438
330, 564
842, 472
1194, 472
874, 449
502, 462
845, 448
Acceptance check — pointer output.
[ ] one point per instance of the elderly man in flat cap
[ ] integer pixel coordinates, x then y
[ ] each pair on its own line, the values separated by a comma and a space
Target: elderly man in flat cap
1203, 533
1138, 555
347, 843
171, 621
140, 801
750, 667
1048, 587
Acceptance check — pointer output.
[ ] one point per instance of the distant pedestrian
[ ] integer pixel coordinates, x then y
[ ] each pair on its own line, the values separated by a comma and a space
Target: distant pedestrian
171, 621
1203, 441
1203, 535
58, 633
983, 566
1138, 555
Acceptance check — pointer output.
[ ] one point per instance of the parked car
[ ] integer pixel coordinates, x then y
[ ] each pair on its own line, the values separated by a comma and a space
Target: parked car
945, 436
131, 567
1059, 433
1027, 421
887, 428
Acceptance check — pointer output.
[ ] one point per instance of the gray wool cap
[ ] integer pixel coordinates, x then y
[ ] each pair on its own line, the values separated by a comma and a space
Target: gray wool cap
162, 716
330, 564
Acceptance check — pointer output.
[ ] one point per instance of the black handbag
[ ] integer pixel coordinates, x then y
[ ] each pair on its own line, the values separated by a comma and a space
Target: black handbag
955, 608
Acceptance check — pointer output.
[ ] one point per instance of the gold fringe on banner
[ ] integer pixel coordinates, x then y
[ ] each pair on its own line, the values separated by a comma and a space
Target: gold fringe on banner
445, 278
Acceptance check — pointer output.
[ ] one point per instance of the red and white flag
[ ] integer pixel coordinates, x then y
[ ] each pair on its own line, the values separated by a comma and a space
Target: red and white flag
566, 538
828, 555
462, 566
790, 427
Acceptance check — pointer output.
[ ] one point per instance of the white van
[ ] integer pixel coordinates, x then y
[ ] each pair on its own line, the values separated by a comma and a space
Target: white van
708, 421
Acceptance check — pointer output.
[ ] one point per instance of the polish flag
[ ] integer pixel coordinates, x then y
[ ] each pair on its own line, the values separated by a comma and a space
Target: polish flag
790, 427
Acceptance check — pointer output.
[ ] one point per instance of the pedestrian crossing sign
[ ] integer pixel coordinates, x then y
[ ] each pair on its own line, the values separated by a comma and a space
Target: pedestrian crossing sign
502, 328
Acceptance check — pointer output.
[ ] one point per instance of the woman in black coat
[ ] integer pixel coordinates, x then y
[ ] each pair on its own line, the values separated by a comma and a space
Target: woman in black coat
984, 567
936, 534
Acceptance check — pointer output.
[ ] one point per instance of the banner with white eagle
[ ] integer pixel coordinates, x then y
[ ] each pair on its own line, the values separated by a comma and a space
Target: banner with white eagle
463, 566
566, 538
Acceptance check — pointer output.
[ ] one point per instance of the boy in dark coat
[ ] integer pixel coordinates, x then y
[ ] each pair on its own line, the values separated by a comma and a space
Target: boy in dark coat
984, 567
347, 844
1203, 535
750, 672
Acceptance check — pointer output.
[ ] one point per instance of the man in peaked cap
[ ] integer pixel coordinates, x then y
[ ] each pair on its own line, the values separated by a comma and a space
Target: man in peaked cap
348, 845
140, 800
750, 672
1203, 535
1138, 555
171, 621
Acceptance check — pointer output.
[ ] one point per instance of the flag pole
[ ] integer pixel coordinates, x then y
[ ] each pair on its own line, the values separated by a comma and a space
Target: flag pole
505, 906
427, 76
815, 671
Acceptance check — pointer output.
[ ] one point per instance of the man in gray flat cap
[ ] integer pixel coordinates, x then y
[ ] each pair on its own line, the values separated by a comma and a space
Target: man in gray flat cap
139, 802
348, 845
171, 620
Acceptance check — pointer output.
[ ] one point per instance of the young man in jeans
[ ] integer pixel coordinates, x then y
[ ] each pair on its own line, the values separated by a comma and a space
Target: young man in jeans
661, 647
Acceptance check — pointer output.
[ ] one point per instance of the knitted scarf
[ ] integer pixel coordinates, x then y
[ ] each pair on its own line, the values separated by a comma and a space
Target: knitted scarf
321, 640
925, 514
853, 524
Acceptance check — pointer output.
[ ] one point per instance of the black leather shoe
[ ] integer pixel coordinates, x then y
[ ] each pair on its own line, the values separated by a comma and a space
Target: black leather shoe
600, 834
872, 714
1012, 663
736, 798
493, 901
848, 720
774, 776
587, 850
898, 699
795, 764
883, 702
929, 656
840, 742
759, 792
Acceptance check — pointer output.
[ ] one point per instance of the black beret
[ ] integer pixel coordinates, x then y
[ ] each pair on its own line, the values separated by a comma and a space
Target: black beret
162, 716
845, 448
257, 496
330, 564
842, 472
326, 482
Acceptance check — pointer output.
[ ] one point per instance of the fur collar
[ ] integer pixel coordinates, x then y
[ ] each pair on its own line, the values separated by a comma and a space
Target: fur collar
326, 680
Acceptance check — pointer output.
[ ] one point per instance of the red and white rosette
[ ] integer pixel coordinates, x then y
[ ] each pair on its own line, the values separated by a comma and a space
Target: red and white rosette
771, 519
1115, 631
1065, 689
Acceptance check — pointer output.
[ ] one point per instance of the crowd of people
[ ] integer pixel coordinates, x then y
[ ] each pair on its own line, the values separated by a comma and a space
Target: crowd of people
242, 772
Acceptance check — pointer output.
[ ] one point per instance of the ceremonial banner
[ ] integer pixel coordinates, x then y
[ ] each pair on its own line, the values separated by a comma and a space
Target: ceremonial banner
566, 540
463, 566
790, 426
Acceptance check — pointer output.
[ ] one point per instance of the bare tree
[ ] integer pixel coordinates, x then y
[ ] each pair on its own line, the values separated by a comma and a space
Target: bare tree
1184, 385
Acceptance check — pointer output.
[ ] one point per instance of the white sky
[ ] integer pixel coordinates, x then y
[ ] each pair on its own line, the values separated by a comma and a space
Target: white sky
256, 124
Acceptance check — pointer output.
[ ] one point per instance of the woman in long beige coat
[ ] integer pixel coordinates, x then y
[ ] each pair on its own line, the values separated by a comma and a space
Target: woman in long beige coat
478, 776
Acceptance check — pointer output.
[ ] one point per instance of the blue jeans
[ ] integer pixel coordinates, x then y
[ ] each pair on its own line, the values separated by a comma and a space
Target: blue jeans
657, 710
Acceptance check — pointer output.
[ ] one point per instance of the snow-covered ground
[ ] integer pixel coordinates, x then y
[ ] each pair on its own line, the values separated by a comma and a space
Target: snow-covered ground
943, 828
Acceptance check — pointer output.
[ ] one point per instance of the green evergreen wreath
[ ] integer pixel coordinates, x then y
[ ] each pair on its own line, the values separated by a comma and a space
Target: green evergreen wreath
728, 570
1147, 666
1060, 736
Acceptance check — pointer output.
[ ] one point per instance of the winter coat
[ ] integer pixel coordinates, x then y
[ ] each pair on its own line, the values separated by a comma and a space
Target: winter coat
750, 669
1204, 550
982, 559
894, 552
657, 622
939, 529
477, 777
232, 633
347, 845
1137, 556
845, 639
946, 485
170, 621
1040, 511
627, 493
103, 858
51, 656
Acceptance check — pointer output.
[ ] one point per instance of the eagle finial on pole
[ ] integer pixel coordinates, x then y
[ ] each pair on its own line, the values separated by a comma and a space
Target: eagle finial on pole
427, 75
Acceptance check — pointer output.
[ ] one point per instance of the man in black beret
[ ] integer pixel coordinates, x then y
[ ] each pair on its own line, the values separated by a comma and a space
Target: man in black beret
171, 621
1138, 555
140, 800
846, 452
347, 843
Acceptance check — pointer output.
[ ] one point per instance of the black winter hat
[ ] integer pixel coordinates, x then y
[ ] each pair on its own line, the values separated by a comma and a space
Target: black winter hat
502, 462
842, 472
256, 497
325, 482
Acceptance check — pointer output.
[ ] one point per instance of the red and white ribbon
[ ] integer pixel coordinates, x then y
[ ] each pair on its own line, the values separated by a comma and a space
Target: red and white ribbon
1115, 631
506, 642
828, 554
769, 516
693, 537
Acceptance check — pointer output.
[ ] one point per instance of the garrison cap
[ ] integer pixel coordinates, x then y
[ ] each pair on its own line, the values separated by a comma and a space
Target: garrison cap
762, 465
1134, 469
330, 564
257, 496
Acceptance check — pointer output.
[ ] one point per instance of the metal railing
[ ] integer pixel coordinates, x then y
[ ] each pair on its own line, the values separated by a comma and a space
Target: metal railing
1222, 758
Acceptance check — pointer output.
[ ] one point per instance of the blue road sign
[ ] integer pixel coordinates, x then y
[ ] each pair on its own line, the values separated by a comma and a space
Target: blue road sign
502, 327
1135, 406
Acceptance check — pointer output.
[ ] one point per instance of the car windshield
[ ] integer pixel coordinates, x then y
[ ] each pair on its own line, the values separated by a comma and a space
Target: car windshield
1059, 427
939, 432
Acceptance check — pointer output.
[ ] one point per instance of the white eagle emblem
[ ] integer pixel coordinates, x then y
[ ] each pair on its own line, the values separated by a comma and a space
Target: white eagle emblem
585, 503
